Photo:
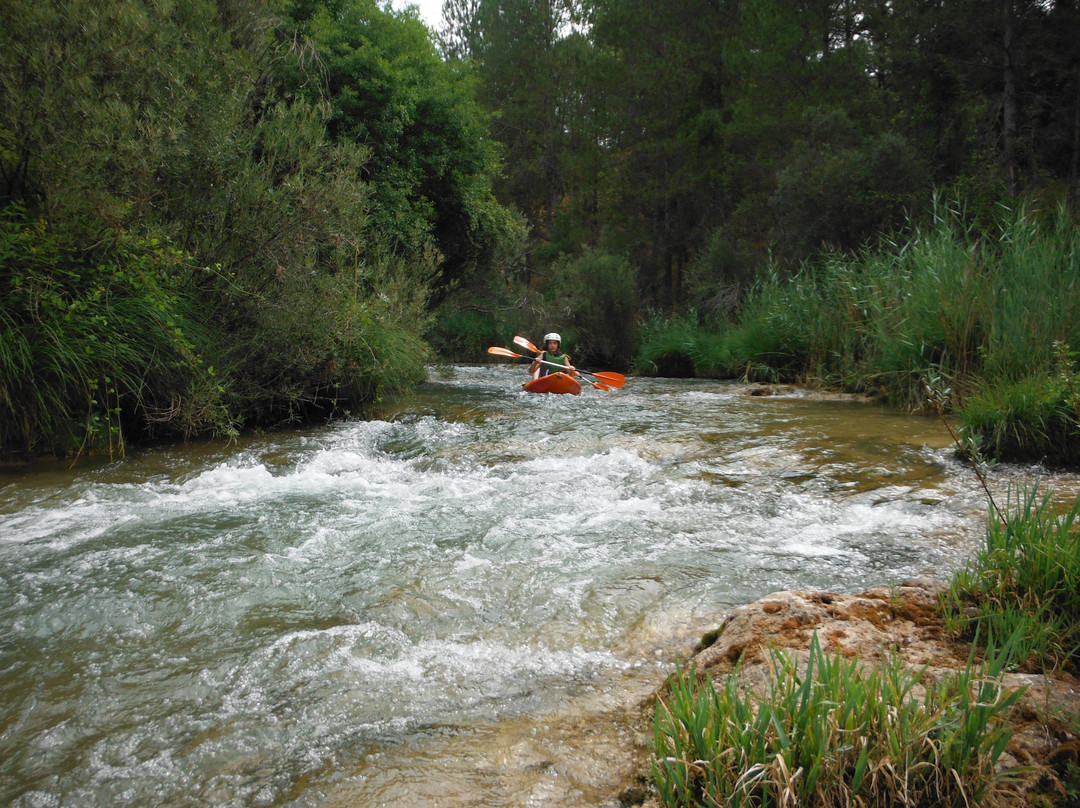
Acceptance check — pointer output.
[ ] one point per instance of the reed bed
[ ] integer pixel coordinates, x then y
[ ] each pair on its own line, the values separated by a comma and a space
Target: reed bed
683, 346
988, 311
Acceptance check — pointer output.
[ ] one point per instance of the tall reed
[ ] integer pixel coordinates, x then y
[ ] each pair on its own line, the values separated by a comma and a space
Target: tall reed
981, 310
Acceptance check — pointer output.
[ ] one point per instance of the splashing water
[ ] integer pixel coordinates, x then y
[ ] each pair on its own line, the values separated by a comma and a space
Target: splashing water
391, 611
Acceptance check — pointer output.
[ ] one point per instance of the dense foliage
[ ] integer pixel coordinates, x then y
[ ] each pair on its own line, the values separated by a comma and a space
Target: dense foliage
224, 213
705, 141
983, 316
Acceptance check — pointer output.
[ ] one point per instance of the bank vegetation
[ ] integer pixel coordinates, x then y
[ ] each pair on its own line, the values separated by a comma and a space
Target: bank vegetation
883, 727
951, 315
224, 215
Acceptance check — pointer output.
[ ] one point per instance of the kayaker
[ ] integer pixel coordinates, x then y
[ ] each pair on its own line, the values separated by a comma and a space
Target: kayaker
552, 353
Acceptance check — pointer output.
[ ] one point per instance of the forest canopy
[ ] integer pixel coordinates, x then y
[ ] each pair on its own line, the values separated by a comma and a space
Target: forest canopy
705, 141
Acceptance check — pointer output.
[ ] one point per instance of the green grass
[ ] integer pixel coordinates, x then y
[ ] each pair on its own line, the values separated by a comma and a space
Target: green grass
834, 732
679, 346
1029, 420
1025, 580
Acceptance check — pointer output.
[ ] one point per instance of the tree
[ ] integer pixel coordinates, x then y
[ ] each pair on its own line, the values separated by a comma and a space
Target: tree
215, 214
666, 98
703, 138
430, 166
460, 34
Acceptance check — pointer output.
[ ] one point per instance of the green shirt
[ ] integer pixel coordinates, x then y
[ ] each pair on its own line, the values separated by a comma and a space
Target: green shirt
559, 359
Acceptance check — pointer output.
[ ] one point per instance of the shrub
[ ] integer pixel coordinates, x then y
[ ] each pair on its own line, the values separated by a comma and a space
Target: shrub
666, 346
463, 336
1031, 420
597, 295
97, 341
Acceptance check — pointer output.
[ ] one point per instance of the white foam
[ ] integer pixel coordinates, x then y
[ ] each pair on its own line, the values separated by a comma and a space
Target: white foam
315, 592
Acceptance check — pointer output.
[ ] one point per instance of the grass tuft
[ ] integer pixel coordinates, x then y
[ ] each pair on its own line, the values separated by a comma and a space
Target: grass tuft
1025, 580
835, 732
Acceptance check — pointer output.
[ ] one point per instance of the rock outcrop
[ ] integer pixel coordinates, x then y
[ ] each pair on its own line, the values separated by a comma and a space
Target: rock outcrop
904, 618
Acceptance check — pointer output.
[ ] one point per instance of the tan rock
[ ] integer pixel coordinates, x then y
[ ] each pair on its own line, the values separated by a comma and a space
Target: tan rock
905, 618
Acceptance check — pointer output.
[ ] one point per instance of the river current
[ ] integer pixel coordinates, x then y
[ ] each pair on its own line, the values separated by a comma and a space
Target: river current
448, 604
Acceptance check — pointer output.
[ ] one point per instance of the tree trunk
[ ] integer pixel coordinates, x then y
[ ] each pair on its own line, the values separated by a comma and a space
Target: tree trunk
1009, 101
1074, 163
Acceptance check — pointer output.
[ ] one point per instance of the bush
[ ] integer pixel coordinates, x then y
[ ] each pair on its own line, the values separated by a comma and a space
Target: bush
839, 189
98, 342
596, 296
666, 346
463, 336
1032, 420
719, 273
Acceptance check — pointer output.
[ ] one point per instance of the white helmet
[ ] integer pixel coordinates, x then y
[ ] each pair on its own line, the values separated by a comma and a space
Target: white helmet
552, 336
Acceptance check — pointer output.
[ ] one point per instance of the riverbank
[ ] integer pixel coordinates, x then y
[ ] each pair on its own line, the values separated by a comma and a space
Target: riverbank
1043, 750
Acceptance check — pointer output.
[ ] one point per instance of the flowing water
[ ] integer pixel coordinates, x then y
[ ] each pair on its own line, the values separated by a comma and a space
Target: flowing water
452, 604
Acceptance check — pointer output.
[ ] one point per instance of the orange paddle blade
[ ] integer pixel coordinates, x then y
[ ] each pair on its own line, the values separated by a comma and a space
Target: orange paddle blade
504, 352
614, 379
524, 343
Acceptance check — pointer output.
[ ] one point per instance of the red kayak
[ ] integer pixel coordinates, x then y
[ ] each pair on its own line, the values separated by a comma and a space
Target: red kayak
553, 383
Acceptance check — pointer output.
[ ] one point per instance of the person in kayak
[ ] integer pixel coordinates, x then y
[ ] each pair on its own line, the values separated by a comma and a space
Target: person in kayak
552, 353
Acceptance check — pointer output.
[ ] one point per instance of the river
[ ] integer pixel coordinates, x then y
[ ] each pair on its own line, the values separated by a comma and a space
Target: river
452, 603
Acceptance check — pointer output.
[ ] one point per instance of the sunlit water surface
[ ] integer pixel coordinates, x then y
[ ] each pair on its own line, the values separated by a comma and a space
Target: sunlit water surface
449, 605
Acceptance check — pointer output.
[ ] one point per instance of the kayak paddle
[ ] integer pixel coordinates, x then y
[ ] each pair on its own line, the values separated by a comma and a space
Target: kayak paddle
608, 377
507, 352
